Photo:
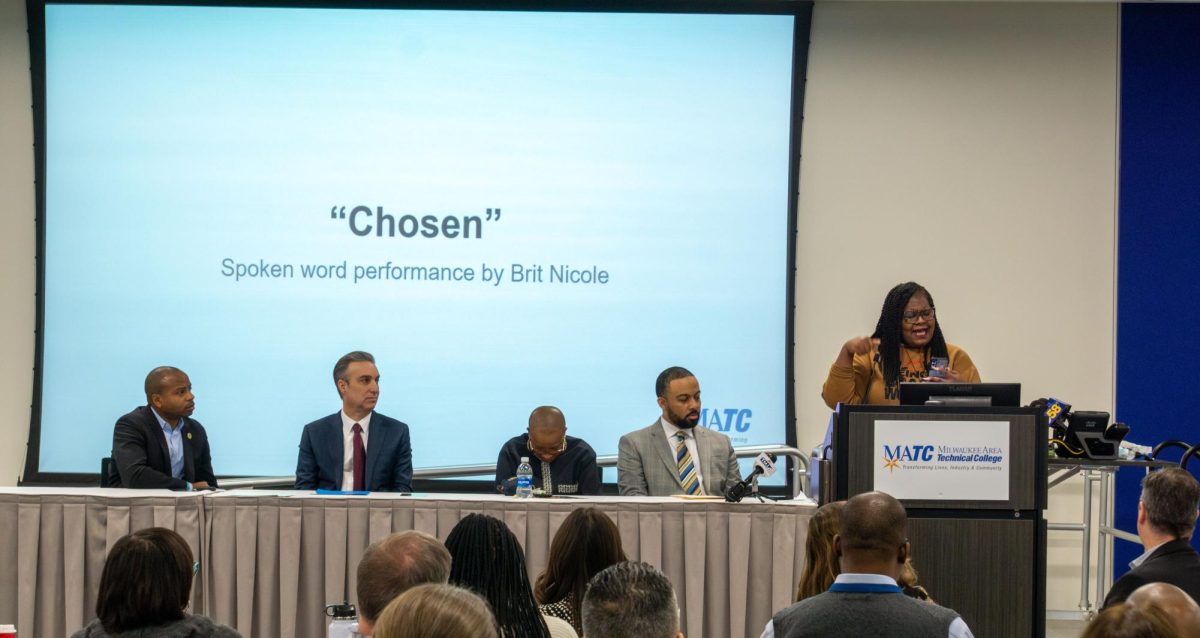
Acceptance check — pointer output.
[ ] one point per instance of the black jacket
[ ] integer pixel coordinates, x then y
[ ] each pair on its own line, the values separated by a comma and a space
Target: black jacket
141, 457
1174, 562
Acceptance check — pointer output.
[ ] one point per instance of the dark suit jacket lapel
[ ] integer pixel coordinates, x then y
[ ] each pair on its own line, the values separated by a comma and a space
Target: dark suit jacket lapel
189, 468
336, 446
377, 442
157, 433
666, 449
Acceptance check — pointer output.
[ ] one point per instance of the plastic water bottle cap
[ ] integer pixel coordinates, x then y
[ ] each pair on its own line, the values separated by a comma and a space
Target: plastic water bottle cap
524, 459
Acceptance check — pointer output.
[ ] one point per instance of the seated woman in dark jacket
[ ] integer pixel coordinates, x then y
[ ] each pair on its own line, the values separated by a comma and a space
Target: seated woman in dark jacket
145, 588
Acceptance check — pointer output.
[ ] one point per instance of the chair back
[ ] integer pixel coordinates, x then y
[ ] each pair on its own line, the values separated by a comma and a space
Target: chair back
109, 477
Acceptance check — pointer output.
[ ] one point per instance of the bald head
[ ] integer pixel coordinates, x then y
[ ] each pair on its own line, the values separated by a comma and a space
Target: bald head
160, 377
1184, 612
547, 433
874, 534
547, 419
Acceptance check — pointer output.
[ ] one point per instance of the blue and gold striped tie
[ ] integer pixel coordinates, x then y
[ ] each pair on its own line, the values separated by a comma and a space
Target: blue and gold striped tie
687, 469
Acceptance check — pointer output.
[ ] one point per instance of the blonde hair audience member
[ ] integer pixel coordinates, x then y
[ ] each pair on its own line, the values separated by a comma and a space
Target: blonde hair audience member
437, 611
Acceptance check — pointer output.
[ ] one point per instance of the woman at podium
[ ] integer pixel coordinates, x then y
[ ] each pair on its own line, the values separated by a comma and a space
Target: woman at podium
907, 346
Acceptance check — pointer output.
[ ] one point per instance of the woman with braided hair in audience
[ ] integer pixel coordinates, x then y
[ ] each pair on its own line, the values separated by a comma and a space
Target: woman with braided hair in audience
907, 340
486, 558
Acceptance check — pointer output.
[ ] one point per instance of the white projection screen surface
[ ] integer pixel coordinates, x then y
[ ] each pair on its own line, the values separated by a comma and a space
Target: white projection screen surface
507, 208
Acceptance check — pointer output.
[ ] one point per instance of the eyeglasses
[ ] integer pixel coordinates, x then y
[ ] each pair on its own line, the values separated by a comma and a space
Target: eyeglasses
911, 316
562, 447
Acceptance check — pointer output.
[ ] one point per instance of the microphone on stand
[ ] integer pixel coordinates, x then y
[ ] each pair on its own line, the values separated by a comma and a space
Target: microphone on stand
764, 465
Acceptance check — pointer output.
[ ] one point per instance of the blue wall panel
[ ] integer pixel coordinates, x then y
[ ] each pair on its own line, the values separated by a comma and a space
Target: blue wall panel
1158, 272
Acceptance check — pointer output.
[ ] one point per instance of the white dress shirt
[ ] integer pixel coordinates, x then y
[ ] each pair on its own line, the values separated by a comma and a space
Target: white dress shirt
669, 429
348, 449
958, 628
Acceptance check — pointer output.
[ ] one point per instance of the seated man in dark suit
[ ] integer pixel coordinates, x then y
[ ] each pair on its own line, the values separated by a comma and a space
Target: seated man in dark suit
561, 464
1165, 522
159, 445
864, 599
356, 448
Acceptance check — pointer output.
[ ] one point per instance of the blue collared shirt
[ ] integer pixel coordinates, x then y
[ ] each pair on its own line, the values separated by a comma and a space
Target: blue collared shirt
1137, 562
958, 628
174, 443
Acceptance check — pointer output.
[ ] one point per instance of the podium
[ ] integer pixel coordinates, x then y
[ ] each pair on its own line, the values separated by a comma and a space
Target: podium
973, 480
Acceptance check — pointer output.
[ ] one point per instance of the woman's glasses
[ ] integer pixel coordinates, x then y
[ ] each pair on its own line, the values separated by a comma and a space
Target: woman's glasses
911, 316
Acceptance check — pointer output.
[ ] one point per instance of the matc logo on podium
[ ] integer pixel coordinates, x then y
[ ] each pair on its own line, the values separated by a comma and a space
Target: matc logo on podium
942, 460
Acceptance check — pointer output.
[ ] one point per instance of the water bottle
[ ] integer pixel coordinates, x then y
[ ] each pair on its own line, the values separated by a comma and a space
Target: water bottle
345, 620
524, 478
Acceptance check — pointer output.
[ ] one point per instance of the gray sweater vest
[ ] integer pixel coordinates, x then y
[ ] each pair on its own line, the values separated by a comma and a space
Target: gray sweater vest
835, 614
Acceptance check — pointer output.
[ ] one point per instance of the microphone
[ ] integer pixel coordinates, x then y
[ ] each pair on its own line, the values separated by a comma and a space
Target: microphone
764, 465
1057, 412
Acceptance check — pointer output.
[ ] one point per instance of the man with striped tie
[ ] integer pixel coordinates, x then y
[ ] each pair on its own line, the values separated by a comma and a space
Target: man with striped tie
672, 455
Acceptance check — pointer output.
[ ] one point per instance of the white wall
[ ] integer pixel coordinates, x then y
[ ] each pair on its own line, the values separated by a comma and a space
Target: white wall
971, 148
17, 240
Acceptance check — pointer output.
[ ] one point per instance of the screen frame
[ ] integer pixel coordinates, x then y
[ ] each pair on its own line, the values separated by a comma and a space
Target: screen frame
917, 394
801, 11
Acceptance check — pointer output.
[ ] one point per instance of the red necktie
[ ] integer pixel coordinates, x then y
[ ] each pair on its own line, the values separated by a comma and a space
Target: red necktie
360, 458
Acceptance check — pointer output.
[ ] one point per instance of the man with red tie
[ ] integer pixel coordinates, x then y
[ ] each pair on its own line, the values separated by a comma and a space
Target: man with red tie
356, 449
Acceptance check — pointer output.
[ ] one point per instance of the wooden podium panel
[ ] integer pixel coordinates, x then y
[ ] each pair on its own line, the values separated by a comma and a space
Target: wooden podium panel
984, 569
984, 558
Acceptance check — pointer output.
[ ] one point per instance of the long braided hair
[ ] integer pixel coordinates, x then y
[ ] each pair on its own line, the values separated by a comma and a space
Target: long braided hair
486, 558
889, 331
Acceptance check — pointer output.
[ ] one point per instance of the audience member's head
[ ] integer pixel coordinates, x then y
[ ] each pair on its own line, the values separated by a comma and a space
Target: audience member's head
394, 565
1179, 607
873, 538
587, 542
1168, 507
820, 563
147, 581
486, 558
436, 611
1127, 621
630, 600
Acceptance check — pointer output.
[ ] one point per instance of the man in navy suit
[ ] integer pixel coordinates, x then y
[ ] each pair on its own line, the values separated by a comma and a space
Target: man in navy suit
356, 448
159, 445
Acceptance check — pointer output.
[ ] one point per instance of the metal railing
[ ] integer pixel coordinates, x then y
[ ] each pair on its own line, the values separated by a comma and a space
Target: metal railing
801, 476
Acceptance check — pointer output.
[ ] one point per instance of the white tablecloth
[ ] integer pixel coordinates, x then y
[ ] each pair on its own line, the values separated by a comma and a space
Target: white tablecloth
270, 561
